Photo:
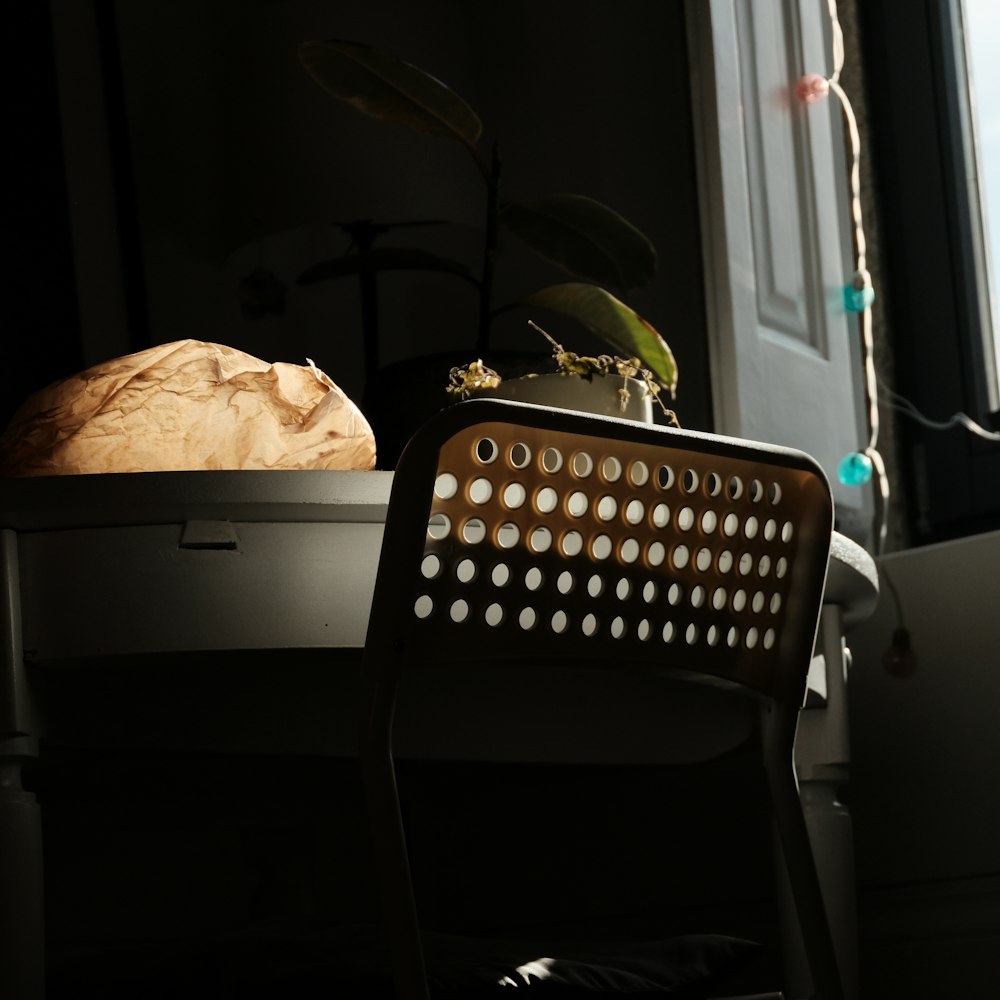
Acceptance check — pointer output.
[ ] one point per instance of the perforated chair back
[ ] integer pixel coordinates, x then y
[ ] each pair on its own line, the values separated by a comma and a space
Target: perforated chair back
520, 535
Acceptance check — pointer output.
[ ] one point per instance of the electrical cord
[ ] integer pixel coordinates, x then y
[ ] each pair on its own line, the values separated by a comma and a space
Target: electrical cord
902, 405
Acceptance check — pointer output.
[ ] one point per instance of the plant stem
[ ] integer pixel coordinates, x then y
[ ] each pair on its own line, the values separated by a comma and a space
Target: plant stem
369, 321
489, 253
364, 233
479, 160
555, 345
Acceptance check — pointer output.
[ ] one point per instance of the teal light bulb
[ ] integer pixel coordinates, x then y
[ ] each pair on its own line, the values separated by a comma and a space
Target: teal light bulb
855, 469
858, 299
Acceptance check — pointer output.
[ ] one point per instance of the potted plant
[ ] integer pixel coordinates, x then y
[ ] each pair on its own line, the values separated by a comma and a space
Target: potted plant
604, 253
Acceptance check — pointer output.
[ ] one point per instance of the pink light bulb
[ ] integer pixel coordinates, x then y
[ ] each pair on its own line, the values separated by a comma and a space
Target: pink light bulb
812, 88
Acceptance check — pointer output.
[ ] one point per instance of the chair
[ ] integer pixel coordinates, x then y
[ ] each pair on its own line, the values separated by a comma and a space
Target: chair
520, 535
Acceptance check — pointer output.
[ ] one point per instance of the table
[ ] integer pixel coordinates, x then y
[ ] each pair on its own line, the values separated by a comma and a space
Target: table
255, 572
137, 568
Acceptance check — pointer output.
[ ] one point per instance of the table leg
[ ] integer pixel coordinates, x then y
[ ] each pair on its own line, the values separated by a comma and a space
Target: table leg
22, 922
822, 757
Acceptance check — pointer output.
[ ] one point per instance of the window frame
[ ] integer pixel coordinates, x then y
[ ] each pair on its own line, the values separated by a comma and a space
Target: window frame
934, 258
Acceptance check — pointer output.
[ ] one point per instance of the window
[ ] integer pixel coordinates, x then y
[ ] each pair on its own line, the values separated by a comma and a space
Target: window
980, 24
936, 291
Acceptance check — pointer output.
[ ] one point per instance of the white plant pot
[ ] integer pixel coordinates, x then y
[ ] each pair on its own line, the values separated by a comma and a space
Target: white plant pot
601, 394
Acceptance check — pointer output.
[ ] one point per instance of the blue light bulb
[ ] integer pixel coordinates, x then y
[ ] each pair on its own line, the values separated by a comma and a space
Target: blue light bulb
855, 469
858, 299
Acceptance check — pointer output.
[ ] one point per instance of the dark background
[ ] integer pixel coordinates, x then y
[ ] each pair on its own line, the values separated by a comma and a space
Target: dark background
225, 160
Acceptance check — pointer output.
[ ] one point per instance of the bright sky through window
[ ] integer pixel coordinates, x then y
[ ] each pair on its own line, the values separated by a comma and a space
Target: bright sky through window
982, 36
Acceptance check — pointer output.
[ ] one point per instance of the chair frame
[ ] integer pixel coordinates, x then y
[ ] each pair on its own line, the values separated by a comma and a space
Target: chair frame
723, 475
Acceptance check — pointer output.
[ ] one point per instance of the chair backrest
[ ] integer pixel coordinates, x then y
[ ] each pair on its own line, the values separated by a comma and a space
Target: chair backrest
521, 535
524, 534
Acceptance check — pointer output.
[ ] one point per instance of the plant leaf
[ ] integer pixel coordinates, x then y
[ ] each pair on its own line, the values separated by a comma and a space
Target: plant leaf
389, 89
383, 259
613, 321
586, 238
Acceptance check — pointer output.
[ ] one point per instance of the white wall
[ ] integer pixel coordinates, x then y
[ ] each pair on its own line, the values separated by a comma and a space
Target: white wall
925, 775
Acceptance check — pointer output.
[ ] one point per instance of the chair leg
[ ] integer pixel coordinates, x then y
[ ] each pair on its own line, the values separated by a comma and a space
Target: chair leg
796, 850
389, 849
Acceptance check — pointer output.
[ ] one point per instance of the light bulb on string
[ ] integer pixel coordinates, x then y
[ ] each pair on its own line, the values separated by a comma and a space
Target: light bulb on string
812, 88
899, 658
859, 294
855, 469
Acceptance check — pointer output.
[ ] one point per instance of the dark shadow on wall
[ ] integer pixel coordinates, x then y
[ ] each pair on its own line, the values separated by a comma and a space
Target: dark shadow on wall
41, 331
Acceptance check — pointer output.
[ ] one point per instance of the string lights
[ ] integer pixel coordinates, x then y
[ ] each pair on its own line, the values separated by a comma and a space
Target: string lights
856, 468
861, 467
